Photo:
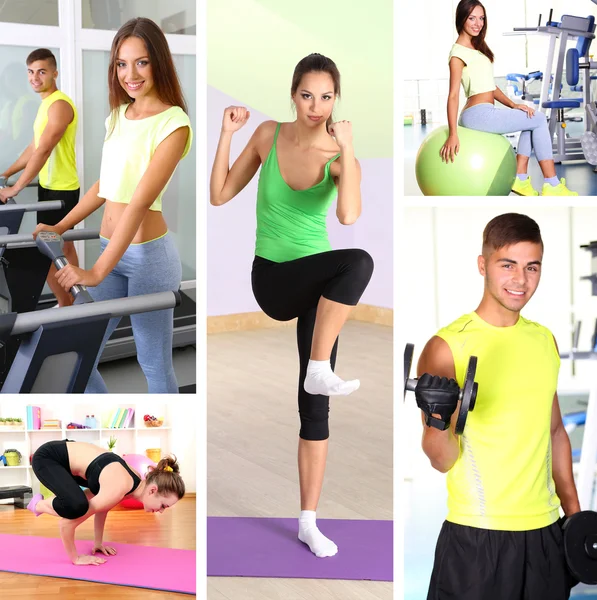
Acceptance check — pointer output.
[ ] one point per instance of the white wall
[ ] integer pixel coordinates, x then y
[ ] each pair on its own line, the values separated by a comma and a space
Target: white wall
184, 418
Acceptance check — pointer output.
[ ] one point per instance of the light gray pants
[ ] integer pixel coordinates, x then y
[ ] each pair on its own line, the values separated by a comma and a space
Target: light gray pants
534, 130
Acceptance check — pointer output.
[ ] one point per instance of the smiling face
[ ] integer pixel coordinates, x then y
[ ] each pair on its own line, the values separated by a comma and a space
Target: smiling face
133, 68
42, 76
511, 274
154, 502
314, 98
475, 21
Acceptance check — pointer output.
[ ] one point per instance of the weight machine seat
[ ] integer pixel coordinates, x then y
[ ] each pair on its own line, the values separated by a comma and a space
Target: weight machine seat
576, 418
568, 103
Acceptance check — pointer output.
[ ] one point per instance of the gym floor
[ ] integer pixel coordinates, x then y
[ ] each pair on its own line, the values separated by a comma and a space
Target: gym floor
425, 501
252, 445
175, 528
125, 376
579, 176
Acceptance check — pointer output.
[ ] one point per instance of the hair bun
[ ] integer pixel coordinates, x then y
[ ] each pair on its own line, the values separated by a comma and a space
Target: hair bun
168, 464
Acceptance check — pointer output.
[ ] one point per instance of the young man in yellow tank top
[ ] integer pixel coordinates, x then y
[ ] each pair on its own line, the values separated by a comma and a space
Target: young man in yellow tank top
51, 155
511, 470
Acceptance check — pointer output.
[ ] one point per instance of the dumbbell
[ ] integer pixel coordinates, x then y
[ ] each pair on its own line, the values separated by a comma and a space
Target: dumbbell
468, 393
580, 546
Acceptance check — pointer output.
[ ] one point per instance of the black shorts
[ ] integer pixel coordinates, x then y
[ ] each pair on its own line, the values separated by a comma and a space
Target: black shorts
53, 217
481, 564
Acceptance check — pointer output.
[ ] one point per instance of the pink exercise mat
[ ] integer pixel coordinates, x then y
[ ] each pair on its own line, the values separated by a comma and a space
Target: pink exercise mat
136, 566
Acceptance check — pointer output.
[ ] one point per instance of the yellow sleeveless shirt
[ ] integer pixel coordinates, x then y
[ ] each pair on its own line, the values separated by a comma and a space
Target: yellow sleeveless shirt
502, 479
60, 170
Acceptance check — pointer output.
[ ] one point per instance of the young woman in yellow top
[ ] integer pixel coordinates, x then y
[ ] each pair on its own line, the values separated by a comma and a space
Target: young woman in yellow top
148, 133
471, 63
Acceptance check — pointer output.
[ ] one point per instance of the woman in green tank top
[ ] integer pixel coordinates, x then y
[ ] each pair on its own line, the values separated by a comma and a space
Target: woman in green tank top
304, 166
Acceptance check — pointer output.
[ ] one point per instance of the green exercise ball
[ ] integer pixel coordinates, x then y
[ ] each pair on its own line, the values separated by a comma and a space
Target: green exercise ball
485, 165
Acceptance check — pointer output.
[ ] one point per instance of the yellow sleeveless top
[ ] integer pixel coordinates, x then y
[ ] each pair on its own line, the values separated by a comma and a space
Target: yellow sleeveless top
477, 75
502, 479
129, 148
60, 170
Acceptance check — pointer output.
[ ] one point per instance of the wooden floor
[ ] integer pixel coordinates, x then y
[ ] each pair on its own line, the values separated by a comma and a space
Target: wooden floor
252, 445
175, 528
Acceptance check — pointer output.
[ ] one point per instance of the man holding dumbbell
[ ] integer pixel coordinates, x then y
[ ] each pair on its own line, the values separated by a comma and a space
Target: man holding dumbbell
511, 469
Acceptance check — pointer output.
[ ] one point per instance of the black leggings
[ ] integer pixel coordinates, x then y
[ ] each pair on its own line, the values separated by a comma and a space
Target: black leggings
51, 466
292, 289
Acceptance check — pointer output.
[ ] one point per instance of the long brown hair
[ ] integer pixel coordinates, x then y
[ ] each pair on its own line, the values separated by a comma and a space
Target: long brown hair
166, 475
165, 77
463, 11
320, 64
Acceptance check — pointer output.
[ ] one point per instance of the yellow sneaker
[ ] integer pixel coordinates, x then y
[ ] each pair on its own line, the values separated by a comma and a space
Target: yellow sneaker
524, 188
557, 190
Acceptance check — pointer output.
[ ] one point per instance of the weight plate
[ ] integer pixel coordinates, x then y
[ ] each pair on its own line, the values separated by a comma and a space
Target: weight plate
580, 539
468, 395
409, 350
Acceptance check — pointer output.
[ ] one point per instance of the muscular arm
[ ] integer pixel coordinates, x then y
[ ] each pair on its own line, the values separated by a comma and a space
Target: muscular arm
562, 462
456, 67
502, 98
441, 447
21, 162
60, 115
225, 182
161, 167
348, 209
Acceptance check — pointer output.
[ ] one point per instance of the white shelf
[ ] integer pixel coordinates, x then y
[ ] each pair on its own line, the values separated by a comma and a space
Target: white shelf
118, 429
153, 428
129, 439
46, 430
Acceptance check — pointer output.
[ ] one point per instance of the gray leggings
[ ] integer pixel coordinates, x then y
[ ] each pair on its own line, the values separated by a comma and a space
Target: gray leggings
144, 269
534, 131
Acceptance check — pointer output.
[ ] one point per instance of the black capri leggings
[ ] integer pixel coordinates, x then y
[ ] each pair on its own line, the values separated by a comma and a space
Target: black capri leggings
51, 466
292, 289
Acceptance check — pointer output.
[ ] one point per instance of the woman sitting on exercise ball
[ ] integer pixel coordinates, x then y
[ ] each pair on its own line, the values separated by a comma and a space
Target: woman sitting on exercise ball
471, 63
63, 466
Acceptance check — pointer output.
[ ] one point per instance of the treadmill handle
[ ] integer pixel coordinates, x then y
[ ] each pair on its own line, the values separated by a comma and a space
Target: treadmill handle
80, 293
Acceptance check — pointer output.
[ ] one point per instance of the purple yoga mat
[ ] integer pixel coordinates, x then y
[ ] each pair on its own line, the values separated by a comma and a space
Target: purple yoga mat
136, 566
252, 547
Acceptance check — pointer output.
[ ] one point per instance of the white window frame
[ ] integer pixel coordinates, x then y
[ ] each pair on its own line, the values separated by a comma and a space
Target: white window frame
71, 40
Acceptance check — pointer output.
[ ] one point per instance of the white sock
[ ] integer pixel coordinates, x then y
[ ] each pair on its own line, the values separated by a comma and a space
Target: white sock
322, 380
310, 535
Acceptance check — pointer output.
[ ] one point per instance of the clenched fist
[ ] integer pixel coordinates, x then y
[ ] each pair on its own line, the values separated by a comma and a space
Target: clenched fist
234, 118
342, 131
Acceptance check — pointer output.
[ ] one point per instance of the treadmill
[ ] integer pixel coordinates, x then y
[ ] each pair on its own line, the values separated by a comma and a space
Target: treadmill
121, 344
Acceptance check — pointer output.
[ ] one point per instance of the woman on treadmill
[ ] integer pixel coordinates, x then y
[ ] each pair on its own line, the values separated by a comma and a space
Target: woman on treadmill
63, 466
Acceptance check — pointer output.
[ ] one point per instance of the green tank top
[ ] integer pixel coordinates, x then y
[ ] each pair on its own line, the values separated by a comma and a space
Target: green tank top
503, 478
291, 224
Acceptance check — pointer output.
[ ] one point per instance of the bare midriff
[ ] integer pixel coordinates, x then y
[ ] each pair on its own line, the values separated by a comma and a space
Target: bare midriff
153, 225
80, 456
484, 98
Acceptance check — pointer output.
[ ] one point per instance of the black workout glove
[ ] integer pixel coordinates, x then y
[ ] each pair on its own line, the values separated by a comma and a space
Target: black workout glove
437, 395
